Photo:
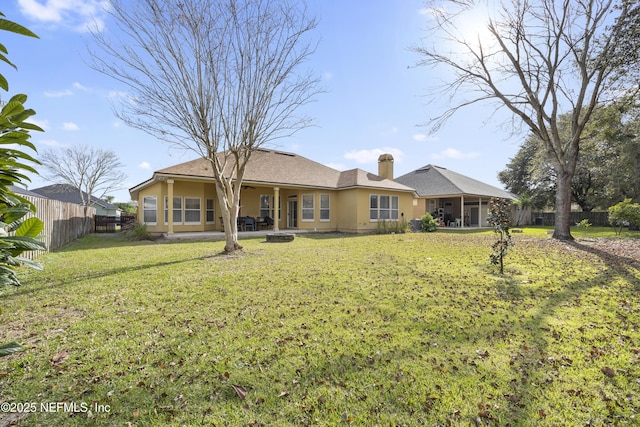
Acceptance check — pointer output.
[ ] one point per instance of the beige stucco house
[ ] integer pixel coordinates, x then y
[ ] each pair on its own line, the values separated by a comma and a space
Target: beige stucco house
297, 193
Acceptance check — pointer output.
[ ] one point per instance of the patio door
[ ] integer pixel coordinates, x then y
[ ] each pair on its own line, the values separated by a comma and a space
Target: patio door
475, 216
292, 214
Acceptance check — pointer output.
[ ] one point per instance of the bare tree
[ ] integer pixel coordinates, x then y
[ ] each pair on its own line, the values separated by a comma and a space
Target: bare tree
221, 78
540, 59
92, 171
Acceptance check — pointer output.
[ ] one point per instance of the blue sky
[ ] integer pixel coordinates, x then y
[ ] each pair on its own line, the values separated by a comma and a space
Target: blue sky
375, 101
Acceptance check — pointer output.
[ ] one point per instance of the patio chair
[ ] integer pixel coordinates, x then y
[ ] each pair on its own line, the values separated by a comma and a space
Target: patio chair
249, 223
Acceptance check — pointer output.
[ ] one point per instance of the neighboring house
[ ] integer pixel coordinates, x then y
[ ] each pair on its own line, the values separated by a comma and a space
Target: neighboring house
24, 192
296, 192
63, 221
70, 194
454, 199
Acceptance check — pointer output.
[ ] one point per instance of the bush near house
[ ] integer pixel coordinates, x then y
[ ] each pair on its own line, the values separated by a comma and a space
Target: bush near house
429, 223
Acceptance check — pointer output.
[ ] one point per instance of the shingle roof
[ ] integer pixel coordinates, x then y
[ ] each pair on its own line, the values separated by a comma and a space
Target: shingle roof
287, 169
267, 166
69, 194
24, 192
435, 181
360, 178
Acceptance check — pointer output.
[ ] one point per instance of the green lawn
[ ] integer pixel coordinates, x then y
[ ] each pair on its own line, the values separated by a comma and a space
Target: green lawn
328, 330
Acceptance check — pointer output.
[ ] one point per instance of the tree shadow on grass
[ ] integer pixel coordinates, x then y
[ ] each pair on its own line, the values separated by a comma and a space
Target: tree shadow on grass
535, 355
100, 274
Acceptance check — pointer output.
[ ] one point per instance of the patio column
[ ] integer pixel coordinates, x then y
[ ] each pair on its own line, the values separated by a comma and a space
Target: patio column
462, 211
276, 208
170, 205
479, 212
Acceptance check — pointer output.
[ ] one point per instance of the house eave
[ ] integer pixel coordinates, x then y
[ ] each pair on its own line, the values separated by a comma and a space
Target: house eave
446, 196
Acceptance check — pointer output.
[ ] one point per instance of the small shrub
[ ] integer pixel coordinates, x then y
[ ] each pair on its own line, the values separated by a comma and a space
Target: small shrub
584, 223
623, 214
137, 232
384, 227
402, 226
381, 227
429, 223
500, 220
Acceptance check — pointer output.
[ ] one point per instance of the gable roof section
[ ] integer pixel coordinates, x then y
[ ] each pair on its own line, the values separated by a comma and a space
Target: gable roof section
359, 178
435, 181
265, 166
69, 194
271, 167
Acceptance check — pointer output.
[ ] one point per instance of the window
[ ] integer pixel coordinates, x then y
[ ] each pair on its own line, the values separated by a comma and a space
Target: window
211, 216
308, 209
394, 208
177, 210
150, 210
373, 207
265, 206
324, 207
192, 210
383, 207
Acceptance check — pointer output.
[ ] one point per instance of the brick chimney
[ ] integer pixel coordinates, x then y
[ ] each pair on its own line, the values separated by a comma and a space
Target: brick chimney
385, 166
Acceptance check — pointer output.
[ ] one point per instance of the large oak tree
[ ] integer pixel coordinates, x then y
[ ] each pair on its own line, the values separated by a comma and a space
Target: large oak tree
608, 169
218, 77
539, 59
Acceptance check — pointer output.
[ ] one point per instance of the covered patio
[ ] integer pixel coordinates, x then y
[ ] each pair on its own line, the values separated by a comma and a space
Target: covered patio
454, 199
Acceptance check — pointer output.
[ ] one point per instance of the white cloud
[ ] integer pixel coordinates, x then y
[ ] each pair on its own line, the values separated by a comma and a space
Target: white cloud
50, 143
452, 153
79, 86
78, 15
421, 137
70, 126
58, 94
144, 165
371, 156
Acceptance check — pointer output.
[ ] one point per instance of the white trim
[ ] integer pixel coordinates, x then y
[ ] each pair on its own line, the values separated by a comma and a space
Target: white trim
184, 211
312, 208
155, 198
321, 209
389, 209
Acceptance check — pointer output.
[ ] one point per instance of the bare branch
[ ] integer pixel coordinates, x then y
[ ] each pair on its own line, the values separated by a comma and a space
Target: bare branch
221, 78
543, 58
92, 171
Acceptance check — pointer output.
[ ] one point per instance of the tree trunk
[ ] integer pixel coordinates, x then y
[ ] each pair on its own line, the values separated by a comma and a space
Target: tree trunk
562, 230
229, 220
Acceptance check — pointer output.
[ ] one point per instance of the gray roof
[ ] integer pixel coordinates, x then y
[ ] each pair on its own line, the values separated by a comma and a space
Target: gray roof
271, 167
25, 192
69, 194
435, 181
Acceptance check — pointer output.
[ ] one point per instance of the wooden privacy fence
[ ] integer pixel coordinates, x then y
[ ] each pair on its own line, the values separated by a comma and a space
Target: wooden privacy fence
549, 218
63, 222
